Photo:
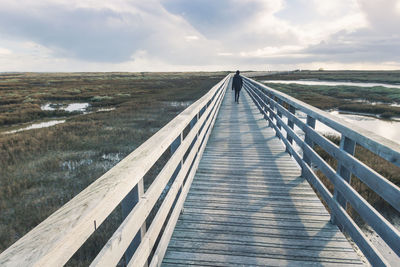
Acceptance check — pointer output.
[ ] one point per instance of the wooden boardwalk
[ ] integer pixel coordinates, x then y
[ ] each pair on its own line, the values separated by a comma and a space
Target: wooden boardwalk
248, 204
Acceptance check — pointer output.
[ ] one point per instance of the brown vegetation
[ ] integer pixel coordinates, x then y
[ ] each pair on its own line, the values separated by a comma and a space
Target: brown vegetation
392, 77
42, 169
381, 166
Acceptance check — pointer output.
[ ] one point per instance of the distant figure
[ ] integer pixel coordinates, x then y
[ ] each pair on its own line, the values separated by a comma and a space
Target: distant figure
237, 84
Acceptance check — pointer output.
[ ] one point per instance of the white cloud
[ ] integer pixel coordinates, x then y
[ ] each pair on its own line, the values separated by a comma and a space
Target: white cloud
191, 38
197, 34
224, 54
5, 51
398, 7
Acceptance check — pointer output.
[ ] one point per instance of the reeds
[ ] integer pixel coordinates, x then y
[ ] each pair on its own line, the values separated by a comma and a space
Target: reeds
41, 169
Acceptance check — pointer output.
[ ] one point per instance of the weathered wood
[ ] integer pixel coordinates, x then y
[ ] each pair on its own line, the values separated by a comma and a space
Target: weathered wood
242, 192
162, 246
149, 239
367, 212
214, 259
127, 204
308, 140
57, 238
372, 216
291, 123
383, 187
379, 145
348, 146
329, 243
112, 251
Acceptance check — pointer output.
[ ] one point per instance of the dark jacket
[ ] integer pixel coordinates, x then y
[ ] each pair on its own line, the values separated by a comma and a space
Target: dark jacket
237, 82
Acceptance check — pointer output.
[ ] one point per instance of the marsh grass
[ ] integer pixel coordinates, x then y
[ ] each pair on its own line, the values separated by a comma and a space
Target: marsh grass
378, 164
392, 77
42, 169
345, 98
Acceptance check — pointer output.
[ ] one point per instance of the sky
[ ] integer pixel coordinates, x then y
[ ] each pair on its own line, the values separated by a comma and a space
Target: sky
198, 35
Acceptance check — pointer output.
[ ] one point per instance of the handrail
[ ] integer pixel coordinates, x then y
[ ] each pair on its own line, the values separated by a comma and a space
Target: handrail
271, 104
56, 239
377, 144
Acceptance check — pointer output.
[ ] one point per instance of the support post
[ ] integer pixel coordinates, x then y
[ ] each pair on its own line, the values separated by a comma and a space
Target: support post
349, 146
308, 141
266, 101
279, 114
127, 204
271, 105
271, 116
291, 123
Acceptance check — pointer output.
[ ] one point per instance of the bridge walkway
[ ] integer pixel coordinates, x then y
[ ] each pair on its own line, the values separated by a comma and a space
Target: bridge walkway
248, 204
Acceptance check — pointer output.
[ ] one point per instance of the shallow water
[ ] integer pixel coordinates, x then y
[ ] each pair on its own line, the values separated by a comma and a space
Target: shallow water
105, 109
79, 107
389, 129
365, 101
179, 103
331, 83
37, 126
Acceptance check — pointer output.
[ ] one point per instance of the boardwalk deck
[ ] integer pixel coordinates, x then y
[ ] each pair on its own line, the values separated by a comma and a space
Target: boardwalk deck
248, 204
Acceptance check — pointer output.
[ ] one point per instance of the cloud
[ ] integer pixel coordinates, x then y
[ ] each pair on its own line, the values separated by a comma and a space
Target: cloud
102, 34
215, 18
196, 34
4, 51
378, 41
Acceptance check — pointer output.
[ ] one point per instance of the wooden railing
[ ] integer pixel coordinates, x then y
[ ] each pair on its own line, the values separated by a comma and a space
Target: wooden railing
281, 111
55, 240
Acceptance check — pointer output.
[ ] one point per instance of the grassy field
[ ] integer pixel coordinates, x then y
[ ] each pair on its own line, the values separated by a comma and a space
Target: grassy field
42, 169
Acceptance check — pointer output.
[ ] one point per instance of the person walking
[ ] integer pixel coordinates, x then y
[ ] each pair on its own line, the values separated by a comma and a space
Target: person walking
237, 84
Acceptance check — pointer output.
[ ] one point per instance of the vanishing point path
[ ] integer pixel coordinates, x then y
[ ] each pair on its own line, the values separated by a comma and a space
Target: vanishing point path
249, 205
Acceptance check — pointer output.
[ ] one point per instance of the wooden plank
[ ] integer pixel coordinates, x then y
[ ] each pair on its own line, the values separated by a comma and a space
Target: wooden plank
355, 232
118, 243
271, 201
275, 197
241, 219
168, 230
259, 205
382, 186
248, 206
143, 252
384, 228
261, 250
215, 259
239, 183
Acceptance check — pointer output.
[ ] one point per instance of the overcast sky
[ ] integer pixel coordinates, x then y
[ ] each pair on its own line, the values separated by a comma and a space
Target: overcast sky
171, 35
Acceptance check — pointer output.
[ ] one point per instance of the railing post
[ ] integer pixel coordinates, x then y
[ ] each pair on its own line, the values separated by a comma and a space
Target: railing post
266, 101
271, 105
291, 125
131, 199
348, 146
308, 141
279, 101
174, 146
